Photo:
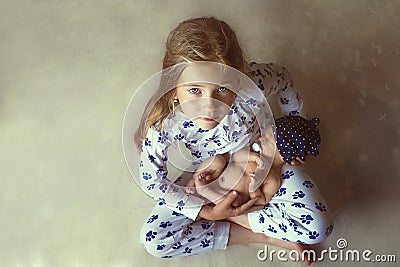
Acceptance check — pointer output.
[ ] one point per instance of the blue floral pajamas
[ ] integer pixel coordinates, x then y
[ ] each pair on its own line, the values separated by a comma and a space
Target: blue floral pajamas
169, 234
296, 213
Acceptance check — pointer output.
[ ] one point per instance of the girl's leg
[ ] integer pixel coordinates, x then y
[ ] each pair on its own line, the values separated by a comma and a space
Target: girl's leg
169, 234
297, 212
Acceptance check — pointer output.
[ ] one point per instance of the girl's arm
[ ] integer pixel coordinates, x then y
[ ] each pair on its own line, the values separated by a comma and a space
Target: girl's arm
275, 79
153, 177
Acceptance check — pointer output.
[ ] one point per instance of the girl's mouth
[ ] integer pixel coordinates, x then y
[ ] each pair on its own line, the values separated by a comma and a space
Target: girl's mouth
207, 119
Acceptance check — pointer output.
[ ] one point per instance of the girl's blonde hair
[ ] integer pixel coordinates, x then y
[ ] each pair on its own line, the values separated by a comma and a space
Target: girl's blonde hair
198, 39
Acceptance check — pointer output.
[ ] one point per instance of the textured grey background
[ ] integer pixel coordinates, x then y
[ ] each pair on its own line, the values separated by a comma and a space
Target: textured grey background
69, 68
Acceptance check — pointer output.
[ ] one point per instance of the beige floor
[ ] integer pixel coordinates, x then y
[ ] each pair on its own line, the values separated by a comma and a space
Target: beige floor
69, 68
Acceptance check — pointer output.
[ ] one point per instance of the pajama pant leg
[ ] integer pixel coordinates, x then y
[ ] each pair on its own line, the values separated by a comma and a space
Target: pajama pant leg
168, 234
297, 212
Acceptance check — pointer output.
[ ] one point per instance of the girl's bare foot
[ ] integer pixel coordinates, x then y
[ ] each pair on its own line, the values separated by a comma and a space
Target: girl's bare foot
308, 259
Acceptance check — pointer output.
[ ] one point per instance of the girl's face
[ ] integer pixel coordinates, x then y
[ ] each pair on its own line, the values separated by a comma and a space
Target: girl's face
205, 104
205, 93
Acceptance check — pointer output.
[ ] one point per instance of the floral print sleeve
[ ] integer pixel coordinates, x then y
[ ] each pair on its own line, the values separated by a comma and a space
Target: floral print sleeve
274, 79
153, 176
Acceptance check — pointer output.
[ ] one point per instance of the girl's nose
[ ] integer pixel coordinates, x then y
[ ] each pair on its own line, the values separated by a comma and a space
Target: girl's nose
208, 102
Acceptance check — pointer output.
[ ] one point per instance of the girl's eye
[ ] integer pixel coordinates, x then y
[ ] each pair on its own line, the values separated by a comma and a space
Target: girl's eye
194, 90
222, 89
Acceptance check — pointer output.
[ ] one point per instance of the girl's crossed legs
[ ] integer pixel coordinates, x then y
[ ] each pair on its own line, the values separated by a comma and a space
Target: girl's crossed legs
297, 213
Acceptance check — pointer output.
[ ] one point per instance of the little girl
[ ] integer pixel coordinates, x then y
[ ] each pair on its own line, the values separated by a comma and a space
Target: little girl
181, 224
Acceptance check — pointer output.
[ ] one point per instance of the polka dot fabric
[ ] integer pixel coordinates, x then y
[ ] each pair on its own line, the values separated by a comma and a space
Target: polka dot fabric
297, 137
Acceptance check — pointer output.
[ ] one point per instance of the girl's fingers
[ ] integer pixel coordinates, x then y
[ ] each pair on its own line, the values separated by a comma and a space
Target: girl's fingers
246, 207
227, 201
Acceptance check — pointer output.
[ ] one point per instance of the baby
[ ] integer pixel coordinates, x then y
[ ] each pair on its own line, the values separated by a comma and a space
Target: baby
296, 139
242, 163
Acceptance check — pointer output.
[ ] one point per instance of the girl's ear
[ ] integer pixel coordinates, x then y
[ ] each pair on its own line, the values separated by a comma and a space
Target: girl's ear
175, 97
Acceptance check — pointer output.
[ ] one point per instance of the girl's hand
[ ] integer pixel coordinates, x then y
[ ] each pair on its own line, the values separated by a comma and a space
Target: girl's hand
223, 209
